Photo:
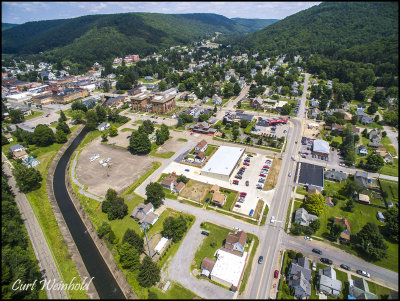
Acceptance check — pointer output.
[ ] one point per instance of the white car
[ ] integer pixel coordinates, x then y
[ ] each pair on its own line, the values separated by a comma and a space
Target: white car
236, 228
307, 238
272, 219
342, 164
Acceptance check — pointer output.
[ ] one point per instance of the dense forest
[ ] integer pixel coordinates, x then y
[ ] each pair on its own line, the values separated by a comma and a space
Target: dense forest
93, 38
17, 261
255, 24
5, 26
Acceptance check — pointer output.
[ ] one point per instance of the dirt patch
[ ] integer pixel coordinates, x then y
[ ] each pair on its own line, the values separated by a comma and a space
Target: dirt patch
125, 168
312, 133
272, 177
171, 145
195, 191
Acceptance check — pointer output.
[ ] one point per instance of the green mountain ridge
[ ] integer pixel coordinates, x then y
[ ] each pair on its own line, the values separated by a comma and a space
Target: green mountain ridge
255, 24
327, 27
99, 37
5, 26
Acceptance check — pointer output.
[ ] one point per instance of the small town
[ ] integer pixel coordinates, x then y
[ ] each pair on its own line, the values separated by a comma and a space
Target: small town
209, 169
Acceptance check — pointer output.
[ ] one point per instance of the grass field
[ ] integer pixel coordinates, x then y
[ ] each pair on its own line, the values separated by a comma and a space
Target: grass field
34, 115
176, 291
210, 149
392, 189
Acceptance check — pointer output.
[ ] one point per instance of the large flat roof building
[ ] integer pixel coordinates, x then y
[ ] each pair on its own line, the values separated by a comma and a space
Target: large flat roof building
320, 149
223, 162
311, 174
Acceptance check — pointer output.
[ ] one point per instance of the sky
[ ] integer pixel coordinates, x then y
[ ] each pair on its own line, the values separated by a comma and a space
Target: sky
21, 12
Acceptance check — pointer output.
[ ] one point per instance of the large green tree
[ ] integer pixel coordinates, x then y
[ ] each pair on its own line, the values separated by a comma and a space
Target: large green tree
27, 178
139, 143
134, 239
369, 242
43, 135
128, 257
62, 126
62, 116
16, 116
336, 229
174, 228
155, 194
148, 126
315, 204
101, 113
91, 119
391, 228
149, 273
375, 162
114, 205
78, 105
77, 116
61, 137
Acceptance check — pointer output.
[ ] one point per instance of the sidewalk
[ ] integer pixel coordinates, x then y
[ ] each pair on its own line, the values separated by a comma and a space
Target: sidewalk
39, 242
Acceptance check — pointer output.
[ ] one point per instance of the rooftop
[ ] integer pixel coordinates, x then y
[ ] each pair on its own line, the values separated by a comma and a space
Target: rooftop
229, 267
224, 160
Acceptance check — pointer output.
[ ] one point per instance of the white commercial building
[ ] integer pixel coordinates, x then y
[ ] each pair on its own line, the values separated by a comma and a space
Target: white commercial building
223, 162
228, 268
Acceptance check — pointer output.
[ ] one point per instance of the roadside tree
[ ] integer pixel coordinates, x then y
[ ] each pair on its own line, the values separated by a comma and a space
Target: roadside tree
155, 194
43, 135
369, 242
315, 204
27, 178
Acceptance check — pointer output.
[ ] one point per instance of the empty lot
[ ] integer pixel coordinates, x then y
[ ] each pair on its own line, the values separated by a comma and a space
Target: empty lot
125, 168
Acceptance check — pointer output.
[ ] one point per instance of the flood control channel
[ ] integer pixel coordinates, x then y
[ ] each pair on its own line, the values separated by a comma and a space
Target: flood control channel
105, 284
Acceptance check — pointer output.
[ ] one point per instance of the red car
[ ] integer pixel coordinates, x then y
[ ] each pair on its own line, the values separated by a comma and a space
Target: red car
276, 273
245, 163
263, 175
236, 182
237, 205
243, 194
266, 166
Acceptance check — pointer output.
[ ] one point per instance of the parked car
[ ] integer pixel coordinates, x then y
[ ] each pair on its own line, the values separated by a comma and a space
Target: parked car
250, 156
247, 164
260, 259
235, 182
205, 233
238, 177
238, 205
307, 238
266, 166
363, 273
128, 137
247, 183
207, 200
290, 174
276, 274
346, 267
262, 175
243, 194
326, 260
187, 169
236, 228
314, 266
261, 180
317, 251
342, 164
259, 186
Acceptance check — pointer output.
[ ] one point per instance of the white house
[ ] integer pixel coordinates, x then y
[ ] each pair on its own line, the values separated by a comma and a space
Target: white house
201, 146
103, 126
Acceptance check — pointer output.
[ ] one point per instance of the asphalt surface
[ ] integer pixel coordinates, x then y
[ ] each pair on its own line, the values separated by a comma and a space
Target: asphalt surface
41, 248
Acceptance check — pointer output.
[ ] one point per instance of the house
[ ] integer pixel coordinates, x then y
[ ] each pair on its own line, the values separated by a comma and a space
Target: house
364, 199
358, 288
16, 148
172, 184
114, 101
345, 235
375, 135
362, 150
90, 103
256, 103
333, 175
200, 157
20, 155
347, 116
103, 126
218, 198
207, 266
374, 145
31, 162
328, 283
201, 146
314, 103
235, 243
202, 128
144, 214
313, 113
148, 78
361, 177
380, 217
216, 100
329, 202
303, 218
243, 116
385, 155
299, 277
337, 128
366, 120
9, 137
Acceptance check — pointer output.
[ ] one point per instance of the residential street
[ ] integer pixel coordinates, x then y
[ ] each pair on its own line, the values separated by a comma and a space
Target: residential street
41, 248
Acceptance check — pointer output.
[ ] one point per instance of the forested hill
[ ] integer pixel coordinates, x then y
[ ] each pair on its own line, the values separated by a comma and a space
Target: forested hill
99, 37
255, 24
327, 27
5, 26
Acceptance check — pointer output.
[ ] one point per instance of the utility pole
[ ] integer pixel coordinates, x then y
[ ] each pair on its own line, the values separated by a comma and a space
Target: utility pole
144, 226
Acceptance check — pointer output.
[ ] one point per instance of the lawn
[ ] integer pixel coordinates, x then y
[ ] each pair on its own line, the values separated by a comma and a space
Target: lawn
210, 149
231, 196
387, 143
34, 114
300, 190
264, 217
182, 140
176, 291
392, 189
391, 169
210, 244
47, 221
249, 262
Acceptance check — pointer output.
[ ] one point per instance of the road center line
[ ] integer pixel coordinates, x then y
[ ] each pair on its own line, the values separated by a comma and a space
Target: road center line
262, 273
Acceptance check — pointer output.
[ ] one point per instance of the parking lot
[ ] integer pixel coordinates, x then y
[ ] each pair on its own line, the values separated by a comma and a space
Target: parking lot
148, 116
278, 130
305, 152
125, 168
251, 174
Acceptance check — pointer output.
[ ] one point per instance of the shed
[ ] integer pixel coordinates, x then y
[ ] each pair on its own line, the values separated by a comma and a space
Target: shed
161, 244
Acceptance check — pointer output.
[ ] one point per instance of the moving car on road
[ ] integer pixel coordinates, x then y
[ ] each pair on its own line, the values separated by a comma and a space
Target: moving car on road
363, 273
260, 259
317, 251
272, 219
326, 260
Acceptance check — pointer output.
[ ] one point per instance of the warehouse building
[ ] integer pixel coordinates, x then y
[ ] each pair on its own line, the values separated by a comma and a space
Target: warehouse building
320, 149
223, 162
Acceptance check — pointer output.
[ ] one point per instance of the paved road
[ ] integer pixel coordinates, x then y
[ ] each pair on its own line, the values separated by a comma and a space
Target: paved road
42, 252
393, 137
338, 257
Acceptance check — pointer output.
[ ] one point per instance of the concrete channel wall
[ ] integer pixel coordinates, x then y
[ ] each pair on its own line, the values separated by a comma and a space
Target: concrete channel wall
100, 244
72, 248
